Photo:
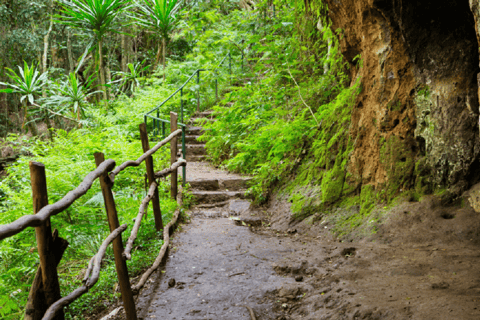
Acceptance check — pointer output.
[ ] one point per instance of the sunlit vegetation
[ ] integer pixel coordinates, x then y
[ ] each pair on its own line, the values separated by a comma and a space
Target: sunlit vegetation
81, 123
282, 115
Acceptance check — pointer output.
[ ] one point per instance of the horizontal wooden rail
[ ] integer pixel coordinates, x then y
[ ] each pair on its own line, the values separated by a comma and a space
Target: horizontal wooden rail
163, 249
165, 172
46, 212
137, 162
88, 281
138, 221
144, 205
89, 269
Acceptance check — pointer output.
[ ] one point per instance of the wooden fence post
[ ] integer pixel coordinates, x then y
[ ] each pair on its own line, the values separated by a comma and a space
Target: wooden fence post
157, 213
43, 233
173, 155
36, 304
120, 263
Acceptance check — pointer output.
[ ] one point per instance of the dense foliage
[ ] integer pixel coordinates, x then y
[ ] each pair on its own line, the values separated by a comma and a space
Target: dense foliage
284, 117
289, 124
68, 157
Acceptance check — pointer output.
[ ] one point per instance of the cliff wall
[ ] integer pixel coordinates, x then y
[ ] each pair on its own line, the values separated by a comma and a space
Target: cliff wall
416, 120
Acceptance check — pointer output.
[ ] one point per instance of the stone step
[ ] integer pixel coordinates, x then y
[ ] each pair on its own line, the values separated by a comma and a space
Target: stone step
201, 121
216, 196
225, 209
193, 149
204, 185
195, 131
233, 184
204, 114
195, 158
192, 140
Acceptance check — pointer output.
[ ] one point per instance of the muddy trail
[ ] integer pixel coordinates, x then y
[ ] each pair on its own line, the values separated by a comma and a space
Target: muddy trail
230, 260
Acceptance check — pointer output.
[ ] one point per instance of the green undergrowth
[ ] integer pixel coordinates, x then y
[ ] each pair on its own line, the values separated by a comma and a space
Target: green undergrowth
287, 123
113, 130
68, 159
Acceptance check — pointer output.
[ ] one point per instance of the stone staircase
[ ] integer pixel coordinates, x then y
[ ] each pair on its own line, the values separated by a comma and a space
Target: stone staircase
216, 192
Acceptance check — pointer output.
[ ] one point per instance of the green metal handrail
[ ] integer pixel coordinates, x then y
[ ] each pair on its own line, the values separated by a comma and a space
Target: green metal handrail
157, 120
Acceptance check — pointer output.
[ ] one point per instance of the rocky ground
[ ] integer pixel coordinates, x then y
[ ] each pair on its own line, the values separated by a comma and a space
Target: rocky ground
233, 261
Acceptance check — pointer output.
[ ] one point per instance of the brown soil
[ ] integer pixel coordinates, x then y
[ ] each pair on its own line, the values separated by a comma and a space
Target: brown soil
420, 265
407, 47
230, 258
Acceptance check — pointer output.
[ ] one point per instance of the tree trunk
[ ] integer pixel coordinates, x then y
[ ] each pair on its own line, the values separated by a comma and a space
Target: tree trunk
135, 49
49, 125
124, 52
44, 68
45, 53
6, 112
157, 58
109, 78
163, 49
69, 52
30, 125
101, 71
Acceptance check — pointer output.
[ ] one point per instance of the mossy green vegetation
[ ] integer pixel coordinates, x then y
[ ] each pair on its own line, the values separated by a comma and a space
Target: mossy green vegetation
68, 159
113, 130
289, 125
398, 160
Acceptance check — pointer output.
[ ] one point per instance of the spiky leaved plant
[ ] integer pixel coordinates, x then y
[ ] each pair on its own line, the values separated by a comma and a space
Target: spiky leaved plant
158, 16
129, 80
96, 17
72, 95
29, 84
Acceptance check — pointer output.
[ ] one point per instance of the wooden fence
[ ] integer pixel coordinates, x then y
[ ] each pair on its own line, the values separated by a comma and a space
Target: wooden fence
44, 301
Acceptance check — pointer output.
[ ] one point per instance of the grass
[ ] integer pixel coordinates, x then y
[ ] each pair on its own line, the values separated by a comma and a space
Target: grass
113, 130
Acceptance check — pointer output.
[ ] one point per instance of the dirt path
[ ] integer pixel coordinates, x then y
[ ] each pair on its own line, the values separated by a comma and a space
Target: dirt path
216, 269
423, 263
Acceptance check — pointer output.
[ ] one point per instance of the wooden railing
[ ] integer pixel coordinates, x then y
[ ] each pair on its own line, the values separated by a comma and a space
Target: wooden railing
44, 301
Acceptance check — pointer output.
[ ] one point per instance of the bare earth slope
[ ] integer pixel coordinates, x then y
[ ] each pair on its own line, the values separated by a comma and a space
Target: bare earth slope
421, 264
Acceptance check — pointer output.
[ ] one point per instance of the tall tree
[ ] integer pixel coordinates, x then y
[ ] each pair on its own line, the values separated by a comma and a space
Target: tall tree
96, 17
159, 17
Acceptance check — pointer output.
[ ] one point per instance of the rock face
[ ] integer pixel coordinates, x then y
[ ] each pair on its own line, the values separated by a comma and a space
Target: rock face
416, 120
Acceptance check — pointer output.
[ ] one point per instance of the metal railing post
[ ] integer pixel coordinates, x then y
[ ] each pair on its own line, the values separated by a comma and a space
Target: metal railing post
198, 91
163, 129
173, 156
155, 128
181, 105
158, 123
216, 89
184, 151
120, 263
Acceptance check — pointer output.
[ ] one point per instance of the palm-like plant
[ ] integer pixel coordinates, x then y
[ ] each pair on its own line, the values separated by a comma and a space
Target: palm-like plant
130, 80
71, 95
95, 16
29, 84
159, 17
